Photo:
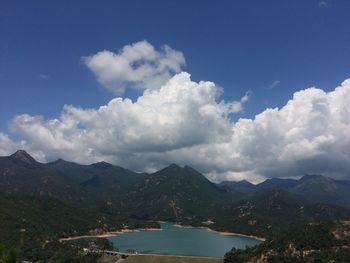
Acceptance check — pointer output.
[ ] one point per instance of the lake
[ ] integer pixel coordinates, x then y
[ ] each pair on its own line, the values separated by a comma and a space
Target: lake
181, 241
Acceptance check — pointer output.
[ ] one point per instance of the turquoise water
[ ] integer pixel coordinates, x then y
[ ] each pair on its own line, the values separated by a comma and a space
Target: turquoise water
181, 241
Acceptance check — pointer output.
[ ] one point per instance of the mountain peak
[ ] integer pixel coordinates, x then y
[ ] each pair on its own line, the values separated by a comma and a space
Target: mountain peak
244, 182
177, 168
59, 160
173, 166
23, 156
312, 177
102, 165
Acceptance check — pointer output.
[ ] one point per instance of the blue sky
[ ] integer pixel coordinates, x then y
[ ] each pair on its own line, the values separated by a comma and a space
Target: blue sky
240, 45
272, 48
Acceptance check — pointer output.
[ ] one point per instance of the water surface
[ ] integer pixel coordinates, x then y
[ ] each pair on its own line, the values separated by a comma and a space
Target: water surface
181, 241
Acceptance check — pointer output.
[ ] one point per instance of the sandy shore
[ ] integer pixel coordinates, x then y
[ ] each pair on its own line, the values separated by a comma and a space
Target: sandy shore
235, 234
110, 234
181, 226
223, 233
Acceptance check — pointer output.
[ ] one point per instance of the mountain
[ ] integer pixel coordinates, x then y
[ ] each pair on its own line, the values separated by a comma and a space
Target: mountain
177, 193
23, 157
285, 184
76, 184
318, 188
102, 181
34, 224
28, 218
20, 173
172, 193
323, 241
42, 201
241, 186
272, 210
315, 188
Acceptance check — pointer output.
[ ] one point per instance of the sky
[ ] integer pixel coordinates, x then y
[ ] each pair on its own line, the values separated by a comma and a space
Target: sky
236, 89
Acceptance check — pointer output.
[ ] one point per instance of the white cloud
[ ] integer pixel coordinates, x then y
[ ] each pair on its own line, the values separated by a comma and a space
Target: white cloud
7, 146
181, 114
185, 122
137, 65
310, 134
274, 84
322, 4
44, 76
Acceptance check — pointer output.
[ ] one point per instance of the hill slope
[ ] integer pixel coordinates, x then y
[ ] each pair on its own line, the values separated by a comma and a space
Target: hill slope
318, 242
270, 211
177, 193
24, 216
88, 185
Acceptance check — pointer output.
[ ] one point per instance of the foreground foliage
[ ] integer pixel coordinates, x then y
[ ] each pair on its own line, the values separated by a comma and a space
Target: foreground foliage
30, 228
317, 242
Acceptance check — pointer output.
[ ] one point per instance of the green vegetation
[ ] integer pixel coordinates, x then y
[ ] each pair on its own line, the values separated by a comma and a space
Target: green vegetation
40, 203
176, 194
270, 211
314, 188
32, 226
104, 244
8, 255
326, 241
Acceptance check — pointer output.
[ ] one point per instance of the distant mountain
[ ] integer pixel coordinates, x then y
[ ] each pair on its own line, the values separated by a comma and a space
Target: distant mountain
177, 193
20, 173
315, 188
77, 184
285, 184
241, 186
172, 193
318, 188
102, 181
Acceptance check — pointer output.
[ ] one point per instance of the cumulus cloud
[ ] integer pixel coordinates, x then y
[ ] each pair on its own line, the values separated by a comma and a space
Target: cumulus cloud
308, 135
186, 122
137, 65
181, 114
7, 146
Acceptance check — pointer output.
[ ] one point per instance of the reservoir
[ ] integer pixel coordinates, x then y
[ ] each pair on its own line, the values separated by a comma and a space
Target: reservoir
181, 241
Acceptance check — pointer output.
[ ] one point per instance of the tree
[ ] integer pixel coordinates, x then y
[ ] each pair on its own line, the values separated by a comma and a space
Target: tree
8, 256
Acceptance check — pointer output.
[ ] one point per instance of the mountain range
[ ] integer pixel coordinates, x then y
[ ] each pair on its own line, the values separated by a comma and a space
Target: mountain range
315, 188
179, 194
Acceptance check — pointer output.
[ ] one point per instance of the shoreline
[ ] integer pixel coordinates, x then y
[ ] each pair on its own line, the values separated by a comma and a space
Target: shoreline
124, 231
109, 234
235, 234
223, 233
